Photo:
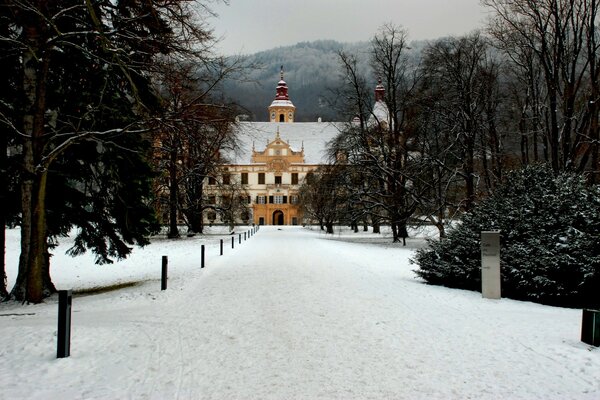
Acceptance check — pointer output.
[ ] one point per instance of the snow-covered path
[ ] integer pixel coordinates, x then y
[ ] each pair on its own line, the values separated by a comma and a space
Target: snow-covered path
292, 315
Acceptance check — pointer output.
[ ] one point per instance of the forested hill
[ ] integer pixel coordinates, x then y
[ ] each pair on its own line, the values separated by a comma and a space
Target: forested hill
311, 69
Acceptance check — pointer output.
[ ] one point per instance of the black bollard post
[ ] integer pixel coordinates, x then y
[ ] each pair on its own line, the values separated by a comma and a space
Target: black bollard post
221, 246
65, 301
163, 279
232, 242
244, 235
202, 256
590, 327
240, 237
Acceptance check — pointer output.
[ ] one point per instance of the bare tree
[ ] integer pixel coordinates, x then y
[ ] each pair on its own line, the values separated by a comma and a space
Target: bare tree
194, 129
323, 196
460, 90
380, 141
556, 40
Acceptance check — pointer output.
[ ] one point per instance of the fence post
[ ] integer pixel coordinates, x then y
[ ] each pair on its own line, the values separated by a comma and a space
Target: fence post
63, 345
202, 256
163, 280
221, 246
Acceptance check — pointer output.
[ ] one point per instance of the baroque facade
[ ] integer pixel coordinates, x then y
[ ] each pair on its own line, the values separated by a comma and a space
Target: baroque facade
269, 177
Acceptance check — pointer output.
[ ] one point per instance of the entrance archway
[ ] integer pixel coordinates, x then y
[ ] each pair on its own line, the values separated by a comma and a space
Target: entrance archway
278, 217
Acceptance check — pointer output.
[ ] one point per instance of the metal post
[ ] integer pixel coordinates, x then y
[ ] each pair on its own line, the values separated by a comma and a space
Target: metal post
65, 301
590, 327
202, 256
244, 235
221, 246
232, 242
240, 237
163, 280
490, 265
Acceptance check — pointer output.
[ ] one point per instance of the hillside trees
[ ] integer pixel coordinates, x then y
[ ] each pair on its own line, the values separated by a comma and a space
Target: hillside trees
82, 97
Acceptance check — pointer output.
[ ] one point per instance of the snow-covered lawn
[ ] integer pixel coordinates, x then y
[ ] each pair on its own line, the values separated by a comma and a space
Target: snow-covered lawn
288, 314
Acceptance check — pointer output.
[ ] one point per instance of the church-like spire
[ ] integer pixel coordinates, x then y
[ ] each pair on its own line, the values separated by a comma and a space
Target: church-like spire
379, 91
282, 89
281, 109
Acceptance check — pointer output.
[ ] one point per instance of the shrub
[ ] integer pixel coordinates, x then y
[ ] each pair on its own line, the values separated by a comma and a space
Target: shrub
550, 241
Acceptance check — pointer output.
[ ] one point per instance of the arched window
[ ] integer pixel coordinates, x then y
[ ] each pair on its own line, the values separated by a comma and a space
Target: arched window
281, 118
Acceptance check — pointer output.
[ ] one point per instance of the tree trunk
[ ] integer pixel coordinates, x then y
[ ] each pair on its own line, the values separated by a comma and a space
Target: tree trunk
376, 226
173, 195
3, 290
403, 232
441, 230
33, 280
394, 232
3, 200
329, 227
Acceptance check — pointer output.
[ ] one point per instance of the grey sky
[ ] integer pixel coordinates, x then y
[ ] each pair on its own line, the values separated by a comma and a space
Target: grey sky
248, 26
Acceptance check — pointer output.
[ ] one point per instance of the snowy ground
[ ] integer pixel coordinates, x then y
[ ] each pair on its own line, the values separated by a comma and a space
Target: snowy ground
288, 314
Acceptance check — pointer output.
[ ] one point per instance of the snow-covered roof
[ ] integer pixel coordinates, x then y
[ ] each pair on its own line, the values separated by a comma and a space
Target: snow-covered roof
282, 103
380, 114
314, 136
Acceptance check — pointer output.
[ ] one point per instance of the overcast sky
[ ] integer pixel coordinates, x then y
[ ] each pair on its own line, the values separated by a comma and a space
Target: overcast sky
248, 26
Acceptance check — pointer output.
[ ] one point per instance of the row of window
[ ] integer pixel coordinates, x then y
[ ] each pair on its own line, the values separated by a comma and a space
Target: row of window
244, 179
276, 199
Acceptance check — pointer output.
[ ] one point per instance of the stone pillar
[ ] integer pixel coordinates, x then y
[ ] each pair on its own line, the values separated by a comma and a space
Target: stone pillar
490, 264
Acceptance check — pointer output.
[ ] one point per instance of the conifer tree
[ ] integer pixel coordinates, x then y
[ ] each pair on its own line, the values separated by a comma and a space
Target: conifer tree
550, 240
82, 107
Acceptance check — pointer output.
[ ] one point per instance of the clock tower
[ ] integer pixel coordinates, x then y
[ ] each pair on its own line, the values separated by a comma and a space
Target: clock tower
282, 109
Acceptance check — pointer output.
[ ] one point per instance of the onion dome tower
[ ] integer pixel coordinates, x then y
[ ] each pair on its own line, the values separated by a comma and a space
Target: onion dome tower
282, 109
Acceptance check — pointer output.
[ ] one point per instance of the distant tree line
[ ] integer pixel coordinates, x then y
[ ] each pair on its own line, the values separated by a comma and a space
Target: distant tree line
462, 113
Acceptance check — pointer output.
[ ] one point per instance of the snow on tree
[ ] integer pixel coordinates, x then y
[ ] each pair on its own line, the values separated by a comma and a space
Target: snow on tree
550, 240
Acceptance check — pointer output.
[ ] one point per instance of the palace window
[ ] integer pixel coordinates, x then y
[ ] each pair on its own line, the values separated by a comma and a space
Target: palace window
294, 178
212, 180
278, 180
278, 199
294, 199
226, 179
244, 178
261, 199
261, 178
212, 200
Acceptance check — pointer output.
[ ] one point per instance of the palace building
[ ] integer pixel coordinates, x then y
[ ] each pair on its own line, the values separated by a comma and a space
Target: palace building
273, 160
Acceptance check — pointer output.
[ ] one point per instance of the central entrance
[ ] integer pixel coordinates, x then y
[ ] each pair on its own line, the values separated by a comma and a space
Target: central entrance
278, 217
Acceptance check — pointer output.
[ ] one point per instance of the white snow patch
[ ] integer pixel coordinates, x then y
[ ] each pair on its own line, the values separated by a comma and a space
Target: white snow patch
290, 313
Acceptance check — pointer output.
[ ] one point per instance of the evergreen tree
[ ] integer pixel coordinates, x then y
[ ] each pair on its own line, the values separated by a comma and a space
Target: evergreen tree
550, 240
83, 98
